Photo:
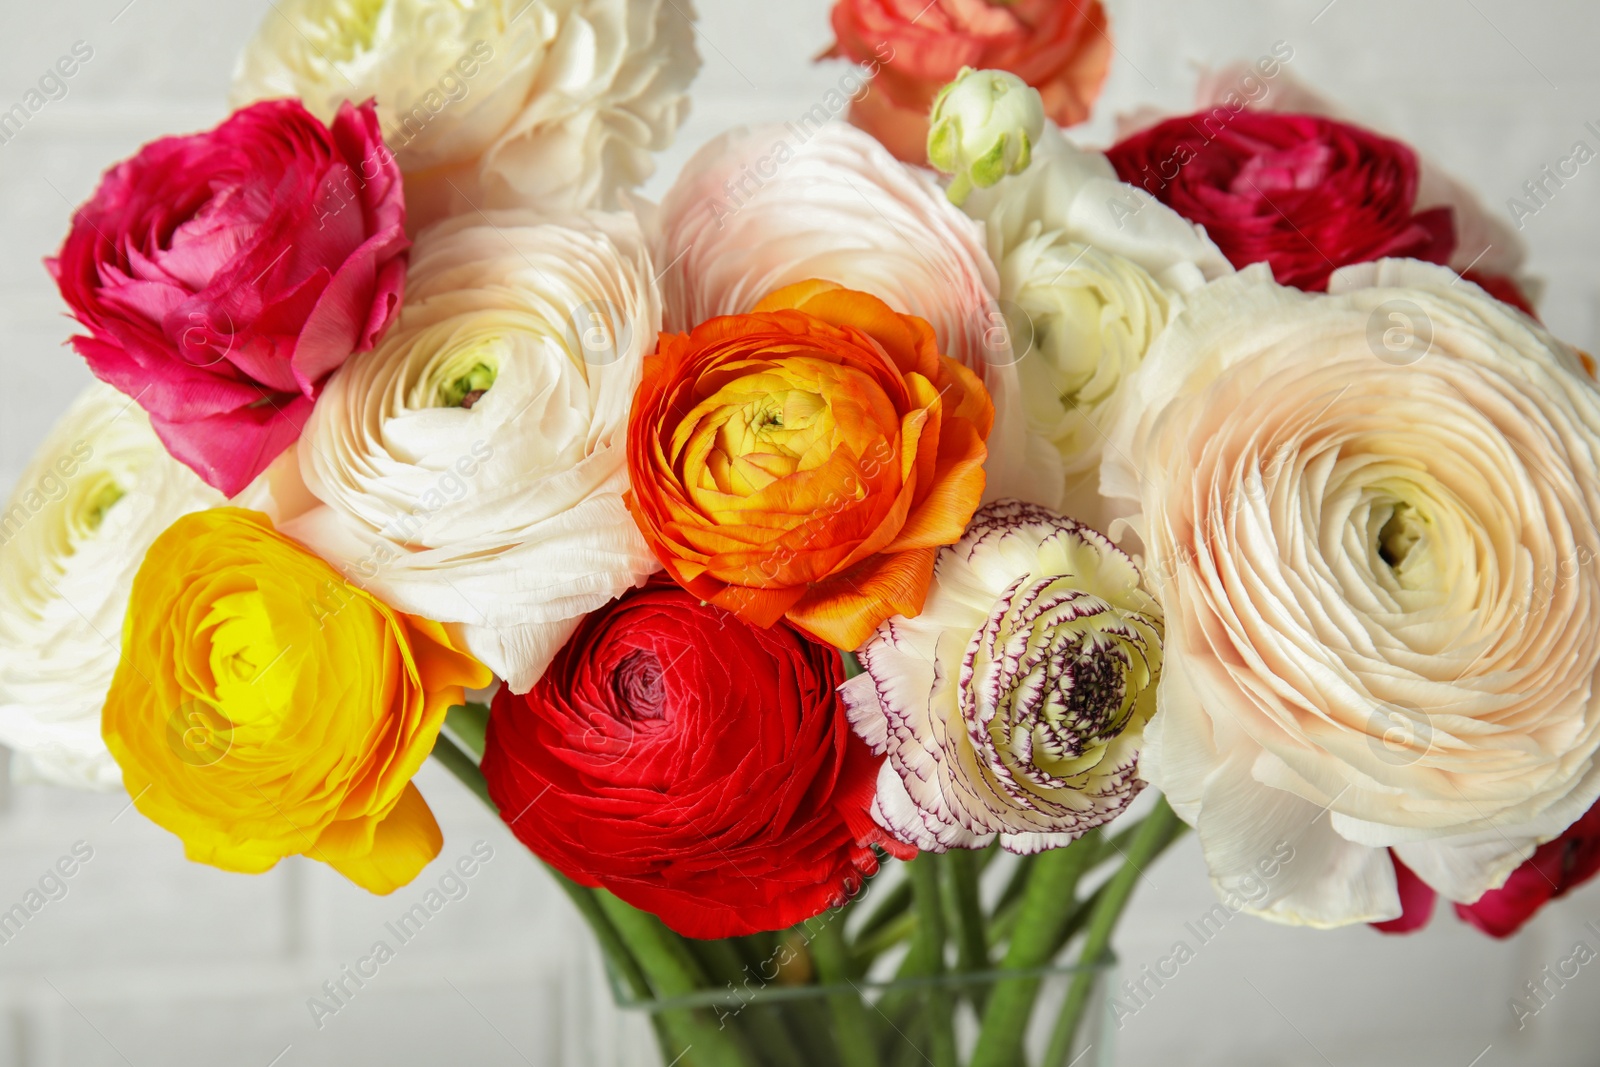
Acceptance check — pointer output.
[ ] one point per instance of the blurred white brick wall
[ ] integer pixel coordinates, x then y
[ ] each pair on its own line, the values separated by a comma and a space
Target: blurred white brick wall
150, 960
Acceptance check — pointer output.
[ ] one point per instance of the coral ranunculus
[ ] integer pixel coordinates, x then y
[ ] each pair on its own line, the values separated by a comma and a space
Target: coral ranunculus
1061, 48
265, 708
223, 276
807, 460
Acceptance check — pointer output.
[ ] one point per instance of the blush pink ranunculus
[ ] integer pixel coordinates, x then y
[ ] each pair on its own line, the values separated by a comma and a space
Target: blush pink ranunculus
1061, 48
223, 276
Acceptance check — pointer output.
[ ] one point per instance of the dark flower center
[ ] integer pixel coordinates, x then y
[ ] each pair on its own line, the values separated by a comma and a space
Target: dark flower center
638, 686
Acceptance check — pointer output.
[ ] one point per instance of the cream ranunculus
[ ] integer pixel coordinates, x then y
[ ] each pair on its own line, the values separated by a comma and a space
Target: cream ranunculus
758, 209
473, 464
548, 104
1372, 518
100, 489
1091, 269
1014, 705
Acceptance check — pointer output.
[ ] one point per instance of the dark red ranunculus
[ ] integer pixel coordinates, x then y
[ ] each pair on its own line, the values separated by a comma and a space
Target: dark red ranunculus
1555, 869
1302, 193
223, 276
1504, 289
696, 766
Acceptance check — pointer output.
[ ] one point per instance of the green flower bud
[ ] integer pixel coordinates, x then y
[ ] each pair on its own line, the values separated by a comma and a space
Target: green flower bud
983, 126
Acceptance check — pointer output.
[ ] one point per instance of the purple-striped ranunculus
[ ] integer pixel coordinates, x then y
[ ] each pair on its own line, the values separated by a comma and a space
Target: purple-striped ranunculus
1015, 704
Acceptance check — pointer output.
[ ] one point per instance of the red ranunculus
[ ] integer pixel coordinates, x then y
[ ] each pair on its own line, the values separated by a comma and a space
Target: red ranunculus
223, 276
1555, 869
696, 766
1303, 193
1060, 47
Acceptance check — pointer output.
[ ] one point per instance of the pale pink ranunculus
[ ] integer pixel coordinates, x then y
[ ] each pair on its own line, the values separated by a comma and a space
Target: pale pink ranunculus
758, 209
1372, 518
224, 275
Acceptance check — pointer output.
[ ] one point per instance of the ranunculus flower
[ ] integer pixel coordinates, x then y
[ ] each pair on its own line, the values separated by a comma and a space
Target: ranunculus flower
1091, 270
758, 209
1302, 193
696, 766
473, 464
1060, 47
555, 105
1488, 249
97, 493
1014, 706
1367, 516
1555, 869
265, 708
807, 460
223, 276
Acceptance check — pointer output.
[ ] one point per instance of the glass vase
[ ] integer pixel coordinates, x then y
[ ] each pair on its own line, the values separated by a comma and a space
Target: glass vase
997, 1018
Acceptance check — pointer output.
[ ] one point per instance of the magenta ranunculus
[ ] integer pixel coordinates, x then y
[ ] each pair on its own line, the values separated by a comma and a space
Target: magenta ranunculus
1303, 193
1555, 869
223, 276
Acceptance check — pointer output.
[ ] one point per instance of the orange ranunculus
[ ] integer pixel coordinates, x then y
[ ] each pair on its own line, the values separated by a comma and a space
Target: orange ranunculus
1060, 47
807, 460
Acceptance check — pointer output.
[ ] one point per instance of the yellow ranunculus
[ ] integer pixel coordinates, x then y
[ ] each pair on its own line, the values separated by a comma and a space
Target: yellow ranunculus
264, 707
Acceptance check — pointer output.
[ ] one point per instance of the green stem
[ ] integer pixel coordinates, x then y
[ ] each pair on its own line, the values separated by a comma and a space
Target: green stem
852, 1027
929, 948
1046, 906
674, 972
971, 946
1158, 830
468, 725
464, 767
868, 949
895, 903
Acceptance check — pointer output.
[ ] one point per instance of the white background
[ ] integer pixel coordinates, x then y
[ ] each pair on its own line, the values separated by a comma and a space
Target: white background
152, 961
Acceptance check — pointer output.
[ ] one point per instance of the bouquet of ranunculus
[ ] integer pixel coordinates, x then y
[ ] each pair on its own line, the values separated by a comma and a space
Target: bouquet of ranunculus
814, 568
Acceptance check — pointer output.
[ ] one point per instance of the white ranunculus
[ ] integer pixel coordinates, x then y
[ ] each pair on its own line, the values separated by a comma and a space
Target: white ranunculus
1086, 318
1075, 193
1091, 269
473, 464
1372, 518
549, 104
1014, 705
758, 209
100, 489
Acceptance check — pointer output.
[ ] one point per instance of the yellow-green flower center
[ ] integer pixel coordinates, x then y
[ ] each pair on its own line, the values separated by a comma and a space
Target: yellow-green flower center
351, 27
1398, 537
97, 503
